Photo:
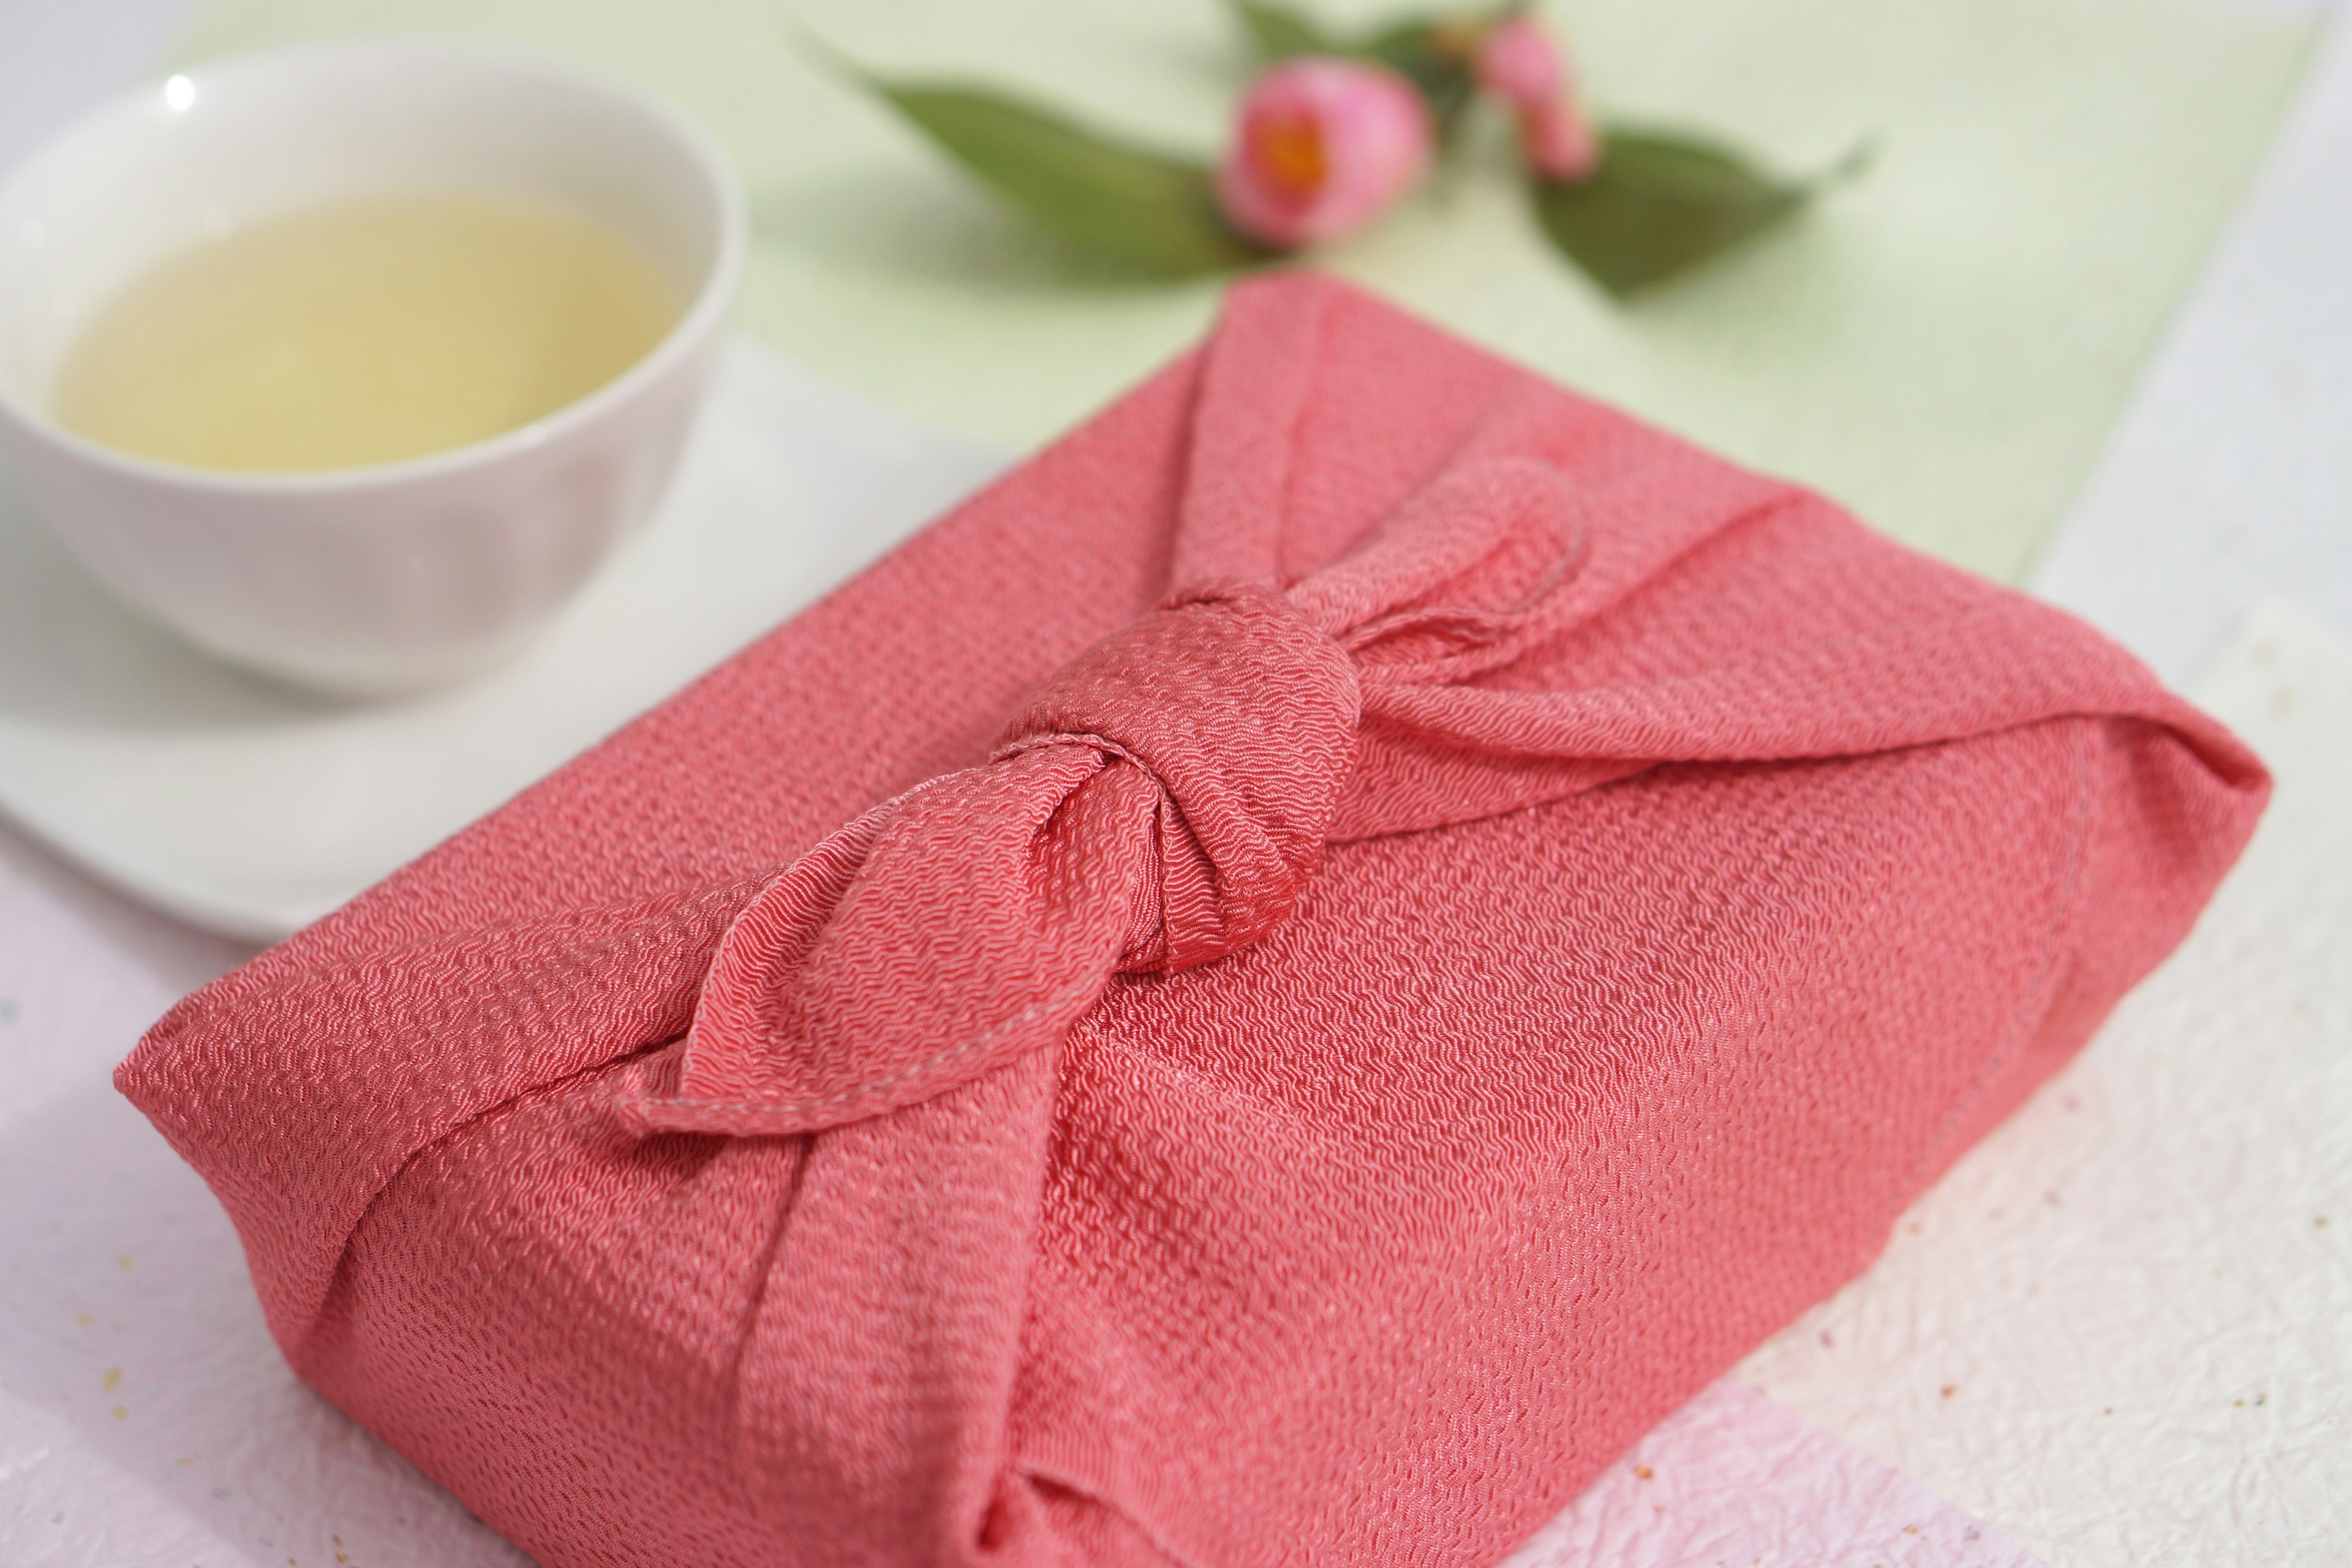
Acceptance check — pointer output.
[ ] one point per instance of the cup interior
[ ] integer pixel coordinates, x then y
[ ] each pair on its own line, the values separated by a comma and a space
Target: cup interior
205, 153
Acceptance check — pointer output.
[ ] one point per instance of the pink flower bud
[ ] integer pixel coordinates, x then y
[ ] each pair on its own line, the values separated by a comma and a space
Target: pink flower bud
1519, 63
1321, 148
1557, 141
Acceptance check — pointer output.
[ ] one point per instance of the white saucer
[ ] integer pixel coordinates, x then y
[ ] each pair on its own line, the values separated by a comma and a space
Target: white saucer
254, 809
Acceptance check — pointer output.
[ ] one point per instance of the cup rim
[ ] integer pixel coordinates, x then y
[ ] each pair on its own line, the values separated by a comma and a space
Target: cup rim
709, 305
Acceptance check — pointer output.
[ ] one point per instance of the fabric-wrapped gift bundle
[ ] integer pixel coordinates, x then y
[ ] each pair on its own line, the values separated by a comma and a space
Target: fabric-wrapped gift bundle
1277, 987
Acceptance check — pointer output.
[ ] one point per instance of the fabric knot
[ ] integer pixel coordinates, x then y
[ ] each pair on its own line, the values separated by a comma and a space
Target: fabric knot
1159, 802
1245, 715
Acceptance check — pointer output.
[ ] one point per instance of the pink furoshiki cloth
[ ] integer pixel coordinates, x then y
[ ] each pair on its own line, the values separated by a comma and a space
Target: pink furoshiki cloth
1279, 986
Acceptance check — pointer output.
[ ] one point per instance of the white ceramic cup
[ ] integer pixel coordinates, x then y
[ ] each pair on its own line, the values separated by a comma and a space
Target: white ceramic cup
399, 576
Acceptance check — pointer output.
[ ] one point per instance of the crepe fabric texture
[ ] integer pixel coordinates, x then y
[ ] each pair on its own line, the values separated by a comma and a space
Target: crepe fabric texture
1277, 987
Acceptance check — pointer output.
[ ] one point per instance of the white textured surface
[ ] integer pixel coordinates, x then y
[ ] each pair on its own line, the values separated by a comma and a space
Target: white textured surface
145, 1417
2122, 1326
1733, 1480
2228, 480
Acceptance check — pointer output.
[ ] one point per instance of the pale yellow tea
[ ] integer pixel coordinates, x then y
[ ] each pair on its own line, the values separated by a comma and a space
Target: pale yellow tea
364, 333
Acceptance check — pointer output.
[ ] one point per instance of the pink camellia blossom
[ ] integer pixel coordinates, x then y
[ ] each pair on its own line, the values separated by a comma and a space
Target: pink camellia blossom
1321, 148
1519, 62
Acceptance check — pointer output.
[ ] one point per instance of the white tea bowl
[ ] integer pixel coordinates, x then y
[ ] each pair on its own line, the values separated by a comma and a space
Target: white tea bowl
399, 576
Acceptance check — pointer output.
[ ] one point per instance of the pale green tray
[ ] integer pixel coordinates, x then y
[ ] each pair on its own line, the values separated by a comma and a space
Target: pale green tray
1941, 346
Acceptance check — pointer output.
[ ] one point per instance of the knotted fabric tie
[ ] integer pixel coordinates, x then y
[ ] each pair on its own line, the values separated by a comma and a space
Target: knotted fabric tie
1160, 802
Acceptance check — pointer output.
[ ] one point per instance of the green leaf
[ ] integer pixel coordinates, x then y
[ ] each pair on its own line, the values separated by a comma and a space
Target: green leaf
1660, 205
1148, 210
1278, 32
